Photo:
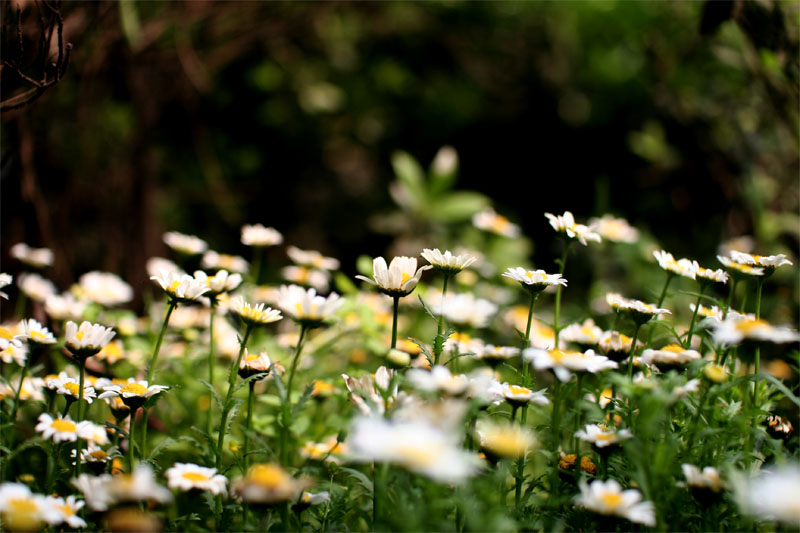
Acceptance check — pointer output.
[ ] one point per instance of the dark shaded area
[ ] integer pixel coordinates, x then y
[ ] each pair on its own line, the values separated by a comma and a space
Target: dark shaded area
200, 117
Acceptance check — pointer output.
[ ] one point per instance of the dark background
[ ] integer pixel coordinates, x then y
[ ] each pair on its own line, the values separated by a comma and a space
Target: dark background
203, 116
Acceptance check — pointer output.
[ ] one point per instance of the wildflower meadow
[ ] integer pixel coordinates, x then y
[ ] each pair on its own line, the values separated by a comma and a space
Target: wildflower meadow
443, 391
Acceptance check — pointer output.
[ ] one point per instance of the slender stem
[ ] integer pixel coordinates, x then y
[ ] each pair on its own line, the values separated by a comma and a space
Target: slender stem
744, 300
19, 388
757, 362
554, 416
287, 404
143, 446
661, 298
395, 306
695, 420
633, 350
523, 418
731, 293
151, 369
67, 405
211, 361
250, 397
557, 311
694, 316
226, 406
258, 260
130, 439
81, 409
439, 343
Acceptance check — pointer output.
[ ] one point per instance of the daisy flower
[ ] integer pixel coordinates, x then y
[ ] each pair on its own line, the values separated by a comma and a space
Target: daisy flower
95, 490
772, 494
95, 454
465, 309
418, 447
502, 440
330, 450
447, 263
104, 288
220, 282
252, 364
614, 229
182, 287
267, 483
682, 267
608, 498
488, 220
368, 392
601, 436
155, 265
139, 486
714, 313
233, 263
306, 306
741, 271
311, 258
36, 287
639, 311
5, 280
494, 355
12, 348
534, 280
185, 244
36, 333
66, 511
309, 277
670, 356
517, 396
257, 235
307, 499
188, 476
22, 510
92, 432
86, 340
70, 387
734, 331
768, 262
708, 275
64, 307
586, 334
564, 362
708, 478
35, 257
254, 315
484, 388
399, 278
438, 379
58, 429
615, 345
134, 393
566, 224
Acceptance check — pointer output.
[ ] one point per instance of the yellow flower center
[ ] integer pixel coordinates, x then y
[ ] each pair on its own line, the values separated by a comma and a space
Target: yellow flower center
5, 334
306, 497
516, 389
269, 475
195, 476
746, 326
500, 224
64, 426
73, 388
251, 357
79, 335
134, 388
302, 275
66, 510
506, 444
418, 456
320, 387
612, 500
37, 335
174, 286
405, 278
23, 506
98, 454
604, 436
673, 348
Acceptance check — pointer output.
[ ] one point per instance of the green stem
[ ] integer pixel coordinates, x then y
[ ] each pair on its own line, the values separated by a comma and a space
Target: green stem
250, 397
211, 361
395, 306
287, 404
661, 298
557, 311
757, 362
554, 416
731, 293
19, 388
130, 440
524, 417
695, 420
694, 316
81, 409
226, 409
151, 369
439, 343
255, 267
633, 350
143, 446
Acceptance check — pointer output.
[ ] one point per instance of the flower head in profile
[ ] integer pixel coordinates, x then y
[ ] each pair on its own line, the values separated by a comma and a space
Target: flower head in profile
566, 224
586, 334
608, 498
767, 262
252, 364
94, 454
494, 355
311, 259
639, 311
438, 379
216, 261
255, 315
464, 309
489, 220
307, 276
708, 478
399, 278
181, 287
35, 286
258, 236
22, 510
564, 362
220, 282
185, 244
368, 392
517, 395
614, 229
138, 486
601, 436
35, 257
707, 276
681, 267
70, 387
65, 511
307, 307
5, 281
447, 263
735, 330
87, 339
772, 494
12, 347
133, 393
534, 280
36, 333
504, 441
670, 356
104, 288
267, 483
740, 271
417, 446
189, 476
58, 429
64, 307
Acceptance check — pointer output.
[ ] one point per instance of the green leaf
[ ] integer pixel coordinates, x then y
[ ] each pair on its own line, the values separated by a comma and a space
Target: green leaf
160, 447
411, 193
458, 206
443, 177
424, 349
213, 389
298, 407
254, 377
344, 284
363, 480
427, 309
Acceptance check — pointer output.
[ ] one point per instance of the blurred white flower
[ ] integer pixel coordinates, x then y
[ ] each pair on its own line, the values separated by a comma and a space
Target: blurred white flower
490, 221
564, 362
566, 224
104, 288
614, 229
64, 307
232, 263
438, 379
601, 436
257, 235
185, 244
306, 306
311, 258
303, 275
446, 262
5, 280
708, 478
682, 267
534, 280
35, 257
772, 494
735, 330
188, 476
36, 287
608, 498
